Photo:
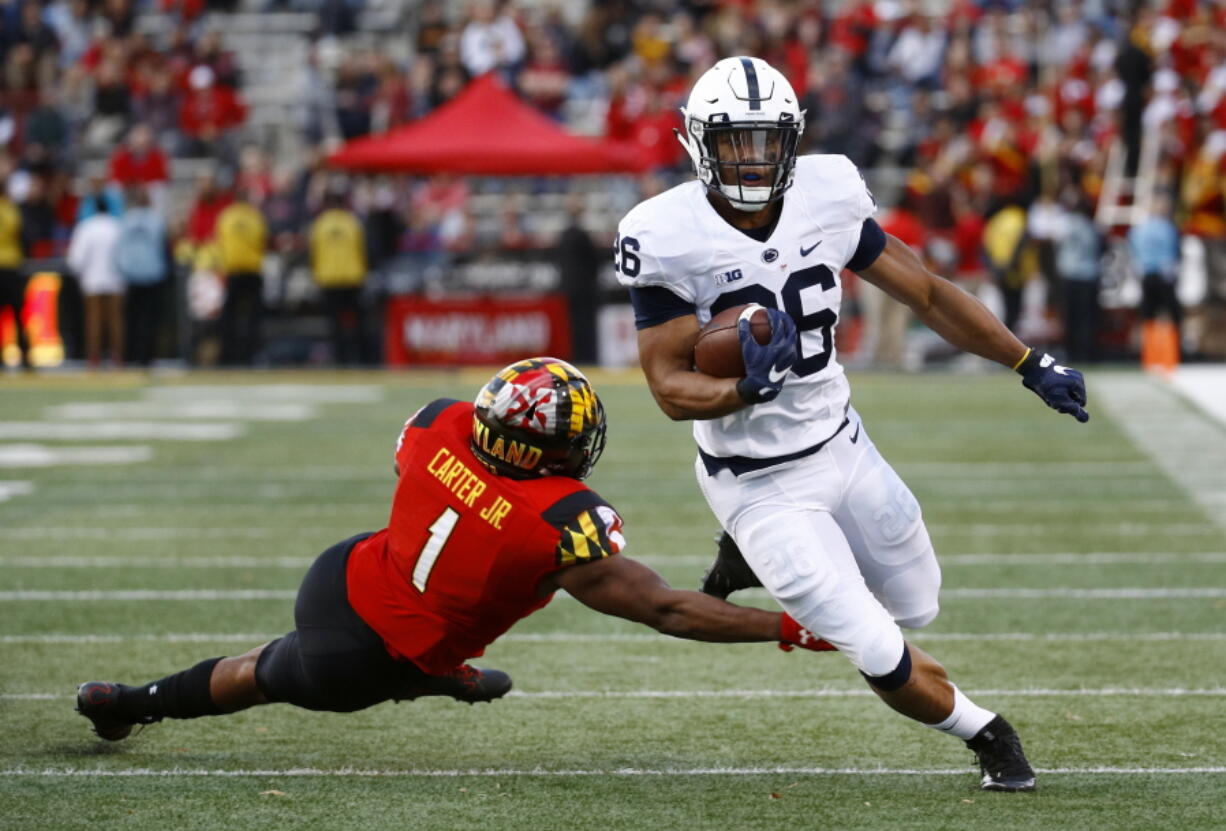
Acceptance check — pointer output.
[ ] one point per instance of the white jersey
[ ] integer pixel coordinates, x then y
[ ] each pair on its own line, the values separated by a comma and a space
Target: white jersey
677, 241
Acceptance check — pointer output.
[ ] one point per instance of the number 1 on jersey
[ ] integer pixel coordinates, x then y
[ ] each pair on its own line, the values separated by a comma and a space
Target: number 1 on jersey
439, 532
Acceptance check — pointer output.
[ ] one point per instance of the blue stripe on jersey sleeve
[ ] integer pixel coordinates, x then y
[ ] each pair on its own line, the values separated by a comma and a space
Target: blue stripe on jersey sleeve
654, 305
872, 243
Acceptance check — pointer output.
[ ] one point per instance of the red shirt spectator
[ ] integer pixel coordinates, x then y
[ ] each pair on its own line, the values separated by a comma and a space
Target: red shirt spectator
140, 161
854, 26
208, 109
901, 222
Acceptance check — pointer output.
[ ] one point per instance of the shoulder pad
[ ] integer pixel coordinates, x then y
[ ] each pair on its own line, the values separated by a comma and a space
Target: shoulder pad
659, 242
562, 512
834, 192
426, 415
589, 529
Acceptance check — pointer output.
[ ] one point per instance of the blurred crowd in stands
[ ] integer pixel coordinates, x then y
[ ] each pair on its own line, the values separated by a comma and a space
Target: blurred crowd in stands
986, 129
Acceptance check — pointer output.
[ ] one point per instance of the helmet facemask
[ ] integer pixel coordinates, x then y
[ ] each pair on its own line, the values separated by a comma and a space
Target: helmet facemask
749, 162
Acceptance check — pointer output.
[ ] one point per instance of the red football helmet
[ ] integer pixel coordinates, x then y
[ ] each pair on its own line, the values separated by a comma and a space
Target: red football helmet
539, 417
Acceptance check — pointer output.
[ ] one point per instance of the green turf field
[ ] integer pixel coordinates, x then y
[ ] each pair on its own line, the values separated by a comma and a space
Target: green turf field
1084, 597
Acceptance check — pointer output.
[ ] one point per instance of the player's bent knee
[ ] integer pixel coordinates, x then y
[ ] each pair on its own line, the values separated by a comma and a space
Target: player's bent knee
919, 621
895, 678
880, 657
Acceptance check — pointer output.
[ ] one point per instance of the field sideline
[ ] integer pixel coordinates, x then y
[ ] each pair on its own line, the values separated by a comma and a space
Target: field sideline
146, 524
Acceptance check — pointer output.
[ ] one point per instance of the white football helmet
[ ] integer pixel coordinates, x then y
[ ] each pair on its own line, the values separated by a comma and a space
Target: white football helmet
742, 128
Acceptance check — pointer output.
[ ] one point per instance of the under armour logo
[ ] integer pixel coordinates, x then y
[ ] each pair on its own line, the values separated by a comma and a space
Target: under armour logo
806, 636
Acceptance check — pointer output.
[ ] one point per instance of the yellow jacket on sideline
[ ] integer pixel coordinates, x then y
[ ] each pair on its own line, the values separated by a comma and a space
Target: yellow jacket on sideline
10, 234
242, 238
338, 250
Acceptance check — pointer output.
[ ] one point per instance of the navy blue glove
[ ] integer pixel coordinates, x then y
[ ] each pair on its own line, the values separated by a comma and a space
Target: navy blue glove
1061, 388
766, 365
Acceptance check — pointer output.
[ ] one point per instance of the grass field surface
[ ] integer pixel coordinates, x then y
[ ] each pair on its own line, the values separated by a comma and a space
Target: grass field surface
148, 524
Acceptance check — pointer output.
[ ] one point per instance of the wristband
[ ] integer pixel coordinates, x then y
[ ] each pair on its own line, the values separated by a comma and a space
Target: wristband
791, 634
750, 392
1029, 358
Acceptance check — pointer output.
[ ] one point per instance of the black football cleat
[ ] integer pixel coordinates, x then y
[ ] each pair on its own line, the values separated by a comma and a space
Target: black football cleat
467, 683
729, 572
1001, 760
98, 702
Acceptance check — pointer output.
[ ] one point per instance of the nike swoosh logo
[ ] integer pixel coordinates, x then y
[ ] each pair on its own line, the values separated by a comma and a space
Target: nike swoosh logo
855, 435
804, 252
777, 375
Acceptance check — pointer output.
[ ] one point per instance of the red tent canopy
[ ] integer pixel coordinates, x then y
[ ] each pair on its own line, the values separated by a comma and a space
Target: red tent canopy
486, 131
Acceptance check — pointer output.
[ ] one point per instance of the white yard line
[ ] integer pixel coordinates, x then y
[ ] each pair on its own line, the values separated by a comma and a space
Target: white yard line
109, 511
55, 561
310, 393
1088, 594
1042, 470
572, 637
41, 455
236, 410
112, 430
830, 692
1188, 446
289, 594
1127, 529
150, 594
1175, 691
1089, 558
137, 533
10, 488
346, 772
1205, 386
1124, 593
181, 637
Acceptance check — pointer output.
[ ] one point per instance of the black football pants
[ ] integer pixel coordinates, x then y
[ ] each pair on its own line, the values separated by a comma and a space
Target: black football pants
332, 660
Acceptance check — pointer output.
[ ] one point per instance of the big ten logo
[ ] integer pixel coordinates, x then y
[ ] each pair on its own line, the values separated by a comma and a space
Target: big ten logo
726, 277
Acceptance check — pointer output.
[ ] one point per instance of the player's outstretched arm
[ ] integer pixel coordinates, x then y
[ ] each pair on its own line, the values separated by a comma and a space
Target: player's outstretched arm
967, 324
666, 353
628, 589
943, 307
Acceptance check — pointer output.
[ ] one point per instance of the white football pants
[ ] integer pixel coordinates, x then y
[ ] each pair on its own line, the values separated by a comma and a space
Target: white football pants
838, 541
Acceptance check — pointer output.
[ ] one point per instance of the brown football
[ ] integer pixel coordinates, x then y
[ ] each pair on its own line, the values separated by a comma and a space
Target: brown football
717, 351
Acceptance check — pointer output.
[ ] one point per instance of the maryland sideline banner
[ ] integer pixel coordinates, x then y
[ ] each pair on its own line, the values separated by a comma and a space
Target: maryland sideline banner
485, 329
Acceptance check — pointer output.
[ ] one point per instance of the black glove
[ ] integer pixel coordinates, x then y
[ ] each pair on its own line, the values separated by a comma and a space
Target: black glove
1061, 388
766, 365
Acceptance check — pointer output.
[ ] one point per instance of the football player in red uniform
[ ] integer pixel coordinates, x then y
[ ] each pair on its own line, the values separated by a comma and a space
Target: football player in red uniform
490, 517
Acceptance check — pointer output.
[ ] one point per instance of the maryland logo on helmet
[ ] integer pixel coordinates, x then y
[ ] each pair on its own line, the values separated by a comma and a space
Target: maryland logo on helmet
538, 417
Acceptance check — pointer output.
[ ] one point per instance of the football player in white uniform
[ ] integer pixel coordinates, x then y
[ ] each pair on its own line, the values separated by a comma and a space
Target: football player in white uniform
823, 521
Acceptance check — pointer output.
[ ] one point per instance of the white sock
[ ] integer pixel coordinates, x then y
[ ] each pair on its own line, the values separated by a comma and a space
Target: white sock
967, 719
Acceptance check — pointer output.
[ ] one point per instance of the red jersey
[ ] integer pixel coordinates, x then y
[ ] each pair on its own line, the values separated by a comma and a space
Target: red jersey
466, 549
127, 168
